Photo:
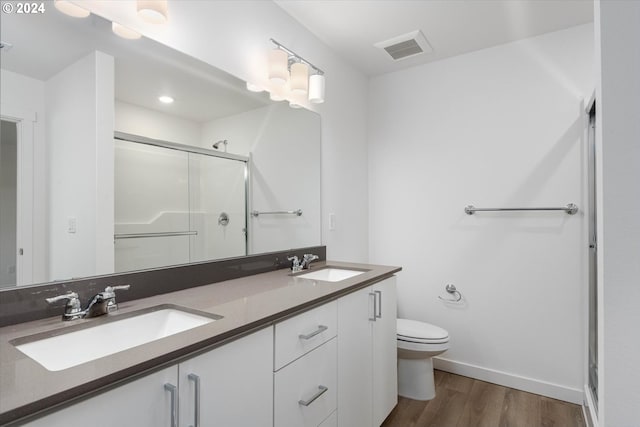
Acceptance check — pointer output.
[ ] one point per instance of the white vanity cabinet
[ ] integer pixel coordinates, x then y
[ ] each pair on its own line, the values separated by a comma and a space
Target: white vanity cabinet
305, 369
229, 386
367, 355
140, 403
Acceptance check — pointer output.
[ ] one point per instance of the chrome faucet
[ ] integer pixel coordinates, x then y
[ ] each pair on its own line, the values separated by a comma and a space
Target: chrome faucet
102, 303
295, 264
307, 259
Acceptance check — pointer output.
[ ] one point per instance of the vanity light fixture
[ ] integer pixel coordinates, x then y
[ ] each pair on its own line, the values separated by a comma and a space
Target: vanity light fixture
165, 99
299, 78
153, 11
278, 66
304, 78
71, 9
124, 32
254, 87
316, 89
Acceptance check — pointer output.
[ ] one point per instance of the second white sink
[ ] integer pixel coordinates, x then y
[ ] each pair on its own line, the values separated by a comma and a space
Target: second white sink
331, 274
84, 345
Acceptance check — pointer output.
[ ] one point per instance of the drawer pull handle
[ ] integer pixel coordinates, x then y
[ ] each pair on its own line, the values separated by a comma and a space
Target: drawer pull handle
321, 329
173, 390
196, 407
321, 390
378, 315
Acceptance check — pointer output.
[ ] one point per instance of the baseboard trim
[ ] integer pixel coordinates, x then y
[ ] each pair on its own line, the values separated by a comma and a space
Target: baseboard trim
554, 391
588, 409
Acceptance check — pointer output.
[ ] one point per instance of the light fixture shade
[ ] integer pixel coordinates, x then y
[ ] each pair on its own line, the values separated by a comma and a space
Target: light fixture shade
124, 32
278, 66
71, 9
299, 78
276, 95
252, 87
153, 11
316, 89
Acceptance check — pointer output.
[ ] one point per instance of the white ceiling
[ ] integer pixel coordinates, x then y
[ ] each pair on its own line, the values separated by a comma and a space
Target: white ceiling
452, 27
46, 43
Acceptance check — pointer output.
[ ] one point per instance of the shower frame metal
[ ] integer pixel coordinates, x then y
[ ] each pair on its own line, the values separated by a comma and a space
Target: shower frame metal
123, 136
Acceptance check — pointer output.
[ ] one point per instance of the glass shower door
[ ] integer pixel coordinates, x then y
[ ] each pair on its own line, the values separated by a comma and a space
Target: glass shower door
152, 227
217, 193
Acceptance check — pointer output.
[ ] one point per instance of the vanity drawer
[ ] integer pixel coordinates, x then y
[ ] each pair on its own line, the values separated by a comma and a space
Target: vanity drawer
296, 336
305, 391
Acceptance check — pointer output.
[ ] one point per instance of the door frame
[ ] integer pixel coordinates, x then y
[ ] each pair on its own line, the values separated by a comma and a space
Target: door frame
25, 123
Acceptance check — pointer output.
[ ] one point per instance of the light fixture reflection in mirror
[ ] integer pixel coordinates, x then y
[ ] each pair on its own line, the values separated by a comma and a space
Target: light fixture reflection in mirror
153, 11
71, 9
124, 32
283, 143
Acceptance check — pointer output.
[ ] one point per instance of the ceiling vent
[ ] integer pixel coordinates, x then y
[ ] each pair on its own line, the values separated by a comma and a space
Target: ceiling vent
406, 45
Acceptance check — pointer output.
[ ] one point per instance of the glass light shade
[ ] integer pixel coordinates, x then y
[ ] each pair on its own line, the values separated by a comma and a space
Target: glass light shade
299, 78
153, 11
254, 87
278, 66
316, 89
71, 9
124, 32
276, 95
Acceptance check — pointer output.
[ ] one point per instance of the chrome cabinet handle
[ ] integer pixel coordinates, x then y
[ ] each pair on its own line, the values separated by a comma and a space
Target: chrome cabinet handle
321, 390
196, 382
174, 403
321, 329
371, 294
378, 315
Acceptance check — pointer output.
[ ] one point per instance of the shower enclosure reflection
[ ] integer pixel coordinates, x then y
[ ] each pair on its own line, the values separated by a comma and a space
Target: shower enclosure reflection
168, 202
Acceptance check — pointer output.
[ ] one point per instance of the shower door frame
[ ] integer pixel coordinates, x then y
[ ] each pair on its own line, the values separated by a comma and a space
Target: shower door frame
128, 137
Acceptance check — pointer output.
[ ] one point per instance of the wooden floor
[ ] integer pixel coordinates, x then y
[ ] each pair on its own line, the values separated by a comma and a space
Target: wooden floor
465, 402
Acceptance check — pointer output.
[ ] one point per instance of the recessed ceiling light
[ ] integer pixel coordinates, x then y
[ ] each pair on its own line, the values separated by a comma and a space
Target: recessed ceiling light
165, 99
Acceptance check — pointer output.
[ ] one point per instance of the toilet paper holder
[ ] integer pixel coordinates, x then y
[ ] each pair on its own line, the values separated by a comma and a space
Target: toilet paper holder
451, 289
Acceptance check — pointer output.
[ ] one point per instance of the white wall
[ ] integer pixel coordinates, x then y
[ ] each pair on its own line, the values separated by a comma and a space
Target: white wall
498, 127
79, 128
617, 28
142, 121
27, 94
234, 36
285, 172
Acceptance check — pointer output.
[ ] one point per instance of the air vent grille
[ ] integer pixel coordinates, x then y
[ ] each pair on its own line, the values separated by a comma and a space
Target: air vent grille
406, 45
404, 49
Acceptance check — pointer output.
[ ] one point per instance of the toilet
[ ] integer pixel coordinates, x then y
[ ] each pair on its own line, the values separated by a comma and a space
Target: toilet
418, 342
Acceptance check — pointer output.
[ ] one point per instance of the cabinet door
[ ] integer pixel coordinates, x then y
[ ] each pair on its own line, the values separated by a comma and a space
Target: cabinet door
141, 403
354, 359
385, 353
235, 384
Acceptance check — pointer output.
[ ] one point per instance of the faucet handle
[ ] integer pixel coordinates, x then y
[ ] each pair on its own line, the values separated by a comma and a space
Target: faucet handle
295, 266
73, 309
110, 295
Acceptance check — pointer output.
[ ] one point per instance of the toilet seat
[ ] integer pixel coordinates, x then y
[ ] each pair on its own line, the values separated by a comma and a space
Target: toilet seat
412, 331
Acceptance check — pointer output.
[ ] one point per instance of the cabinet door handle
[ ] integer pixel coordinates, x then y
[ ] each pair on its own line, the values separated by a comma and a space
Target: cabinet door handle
196, 383
173, 390
321, 329
378, 315
371, 294
321, 390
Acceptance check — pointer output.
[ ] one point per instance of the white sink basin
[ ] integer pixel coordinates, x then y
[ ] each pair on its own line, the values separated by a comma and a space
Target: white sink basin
331, 274
84, 345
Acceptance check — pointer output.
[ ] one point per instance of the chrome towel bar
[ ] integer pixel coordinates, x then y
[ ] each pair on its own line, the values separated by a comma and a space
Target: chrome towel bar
161, 234
296, 212
570, 209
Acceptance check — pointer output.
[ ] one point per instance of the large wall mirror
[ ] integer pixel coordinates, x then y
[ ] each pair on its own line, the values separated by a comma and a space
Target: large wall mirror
98, 176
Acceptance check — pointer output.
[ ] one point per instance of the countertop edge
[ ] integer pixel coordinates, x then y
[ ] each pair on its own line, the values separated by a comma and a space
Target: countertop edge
41, 407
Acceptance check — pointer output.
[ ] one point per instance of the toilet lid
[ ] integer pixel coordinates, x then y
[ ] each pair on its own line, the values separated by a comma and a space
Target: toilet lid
412, 330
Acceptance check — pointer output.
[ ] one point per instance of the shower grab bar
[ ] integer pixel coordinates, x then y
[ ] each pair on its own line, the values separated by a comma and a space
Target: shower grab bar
161, 234
570, 209
258, 213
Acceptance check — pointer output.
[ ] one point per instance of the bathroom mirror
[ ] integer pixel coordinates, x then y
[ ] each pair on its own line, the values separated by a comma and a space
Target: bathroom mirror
100, 177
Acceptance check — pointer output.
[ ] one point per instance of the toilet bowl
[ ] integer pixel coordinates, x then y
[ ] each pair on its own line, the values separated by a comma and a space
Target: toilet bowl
418, 342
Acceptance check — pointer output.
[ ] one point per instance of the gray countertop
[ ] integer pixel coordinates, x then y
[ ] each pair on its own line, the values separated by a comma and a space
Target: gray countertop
247, 304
